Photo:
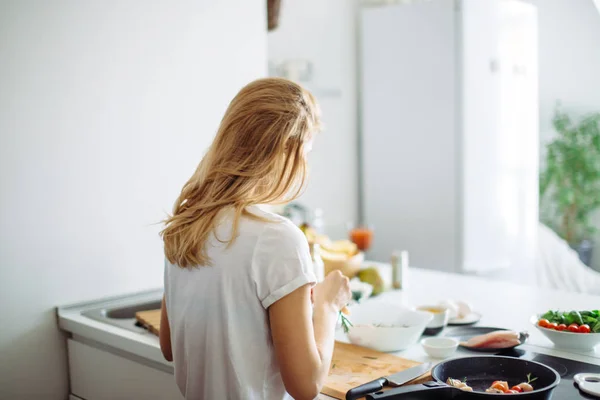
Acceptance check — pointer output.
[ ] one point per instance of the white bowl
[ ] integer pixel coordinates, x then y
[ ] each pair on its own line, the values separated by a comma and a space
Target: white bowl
386, 327
568, 340
440, 316
439, 347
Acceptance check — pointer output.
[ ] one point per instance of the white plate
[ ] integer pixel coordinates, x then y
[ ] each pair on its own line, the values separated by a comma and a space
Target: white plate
470, 319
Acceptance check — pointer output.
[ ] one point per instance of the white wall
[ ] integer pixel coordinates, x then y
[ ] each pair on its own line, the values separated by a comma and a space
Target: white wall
105, 110
324, 32
569, 64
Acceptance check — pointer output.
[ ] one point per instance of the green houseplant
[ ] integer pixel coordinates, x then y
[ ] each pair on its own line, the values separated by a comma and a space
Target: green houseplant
570, 181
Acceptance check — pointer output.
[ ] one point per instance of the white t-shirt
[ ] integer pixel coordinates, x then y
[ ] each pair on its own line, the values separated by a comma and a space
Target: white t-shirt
220, 333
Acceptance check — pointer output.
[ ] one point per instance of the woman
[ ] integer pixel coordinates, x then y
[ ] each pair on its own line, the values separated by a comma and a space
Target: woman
242, 317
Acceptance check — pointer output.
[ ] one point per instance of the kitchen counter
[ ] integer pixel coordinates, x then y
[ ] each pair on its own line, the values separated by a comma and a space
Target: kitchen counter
502, 304
136, 341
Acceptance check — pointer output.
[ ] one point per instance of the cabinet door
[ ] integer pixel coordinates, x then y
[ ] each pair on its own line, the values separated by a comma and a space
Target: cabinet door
97, 374
500, 134
482, 221
408, 135
519, 130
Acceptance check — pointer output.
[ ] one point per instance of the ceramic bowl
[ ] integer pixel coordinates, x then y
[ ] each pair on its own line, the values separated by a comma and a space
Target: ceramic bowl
386, 327
439, 347
441, 315
568, 340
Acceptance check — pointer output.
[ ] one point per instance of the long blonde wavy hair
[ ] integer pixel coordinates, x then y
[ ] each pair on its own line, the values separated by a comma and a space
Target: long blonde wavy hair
257, 157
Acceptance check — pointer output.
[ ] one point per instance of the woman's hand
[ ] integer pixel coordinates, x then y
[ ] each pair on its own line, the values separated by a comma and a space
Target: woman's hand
333, 292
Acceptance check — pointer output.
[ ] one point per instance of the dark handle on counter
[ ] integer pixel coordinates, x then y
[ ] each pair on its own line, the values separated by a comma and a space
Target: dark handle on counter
523, 336
427, 390
369, 387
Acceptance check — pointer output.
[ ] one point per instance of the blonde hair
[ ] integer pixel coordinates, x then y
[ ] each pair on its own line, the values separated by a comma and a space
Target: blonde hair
257, 157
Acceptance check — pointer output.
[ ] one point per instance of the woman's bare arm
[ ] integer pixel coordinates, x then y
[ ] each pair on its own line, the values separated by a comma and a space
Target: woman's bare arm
303, 336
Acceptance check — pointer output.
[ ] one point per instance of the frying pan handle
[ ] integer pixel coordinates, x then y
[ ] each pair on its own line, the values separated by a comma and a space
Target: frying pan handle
428, 390
369, 387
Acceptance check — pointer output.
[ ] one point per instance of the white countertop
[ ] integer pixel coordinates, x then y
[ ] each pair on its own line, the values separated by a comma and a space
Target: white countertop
502, 304
141, 343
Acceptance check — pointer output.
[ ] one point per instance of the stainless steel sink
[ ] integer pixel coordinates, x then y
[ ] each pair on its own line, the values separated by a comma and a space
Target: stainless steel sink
122, 315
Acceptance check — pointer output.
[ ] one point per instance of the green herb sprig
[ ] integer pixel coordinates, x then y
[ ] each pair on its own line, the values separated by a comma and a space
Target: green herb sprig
346, 324
530, 378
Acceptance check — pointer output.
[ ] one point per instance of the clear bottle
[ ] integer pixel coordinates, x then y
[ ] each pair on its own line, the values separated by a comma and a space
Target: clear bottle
318, 264
399, 269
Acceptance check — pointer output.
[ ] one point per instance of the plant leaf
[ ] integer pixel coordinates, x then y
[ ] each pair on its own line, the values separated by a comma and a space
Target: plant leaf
569, 184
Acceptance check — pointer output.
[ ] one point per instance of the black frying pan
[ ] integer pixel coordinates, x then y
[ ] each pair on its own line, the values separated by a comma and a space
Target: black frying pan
479, 372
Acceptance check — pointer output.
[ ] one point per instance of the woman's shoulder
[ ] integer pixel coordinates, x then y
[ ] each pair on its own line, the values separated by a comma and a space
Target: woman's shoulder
277, 228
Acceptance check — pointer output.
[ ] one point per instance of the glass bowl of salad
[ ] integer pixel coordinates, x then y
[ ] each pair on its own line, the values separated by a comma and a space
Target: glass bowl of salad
570, 329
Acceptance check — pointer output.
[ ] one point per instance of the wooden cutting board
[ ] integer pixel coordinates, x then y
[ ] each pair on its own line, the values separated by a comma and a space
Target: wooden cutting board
150, 319
351, 365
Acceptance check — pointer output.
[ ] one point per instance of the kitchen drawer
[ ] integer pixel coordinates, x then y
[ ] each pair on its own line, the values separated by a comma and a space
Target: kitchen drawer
97, 374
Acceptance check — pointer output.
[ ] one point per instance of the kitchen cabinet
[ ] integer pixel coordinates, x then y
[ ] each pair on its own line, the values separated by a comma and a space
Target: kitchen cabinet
449, 132
99, 373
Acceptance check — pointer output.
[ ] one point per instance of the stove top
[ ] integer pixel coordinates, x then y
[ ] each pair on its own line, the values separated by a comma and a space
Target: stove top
567, 369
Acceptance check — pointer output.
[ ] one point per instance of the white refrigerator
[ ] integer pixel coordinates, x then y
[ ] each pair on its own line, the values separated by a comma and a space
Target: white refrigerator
449, 135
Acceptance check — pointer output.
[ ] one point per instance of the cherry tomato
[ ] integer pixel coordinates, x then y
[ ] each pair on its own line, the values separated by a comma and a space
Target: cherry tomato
552, 325
543, 323
573, 328
512, 391
561, 327
516, 388
584, 329
500, 385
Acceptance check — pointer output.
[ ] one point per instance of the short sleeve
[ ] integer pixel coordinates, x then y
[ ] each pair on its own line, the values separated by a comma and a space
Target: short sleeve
281, 262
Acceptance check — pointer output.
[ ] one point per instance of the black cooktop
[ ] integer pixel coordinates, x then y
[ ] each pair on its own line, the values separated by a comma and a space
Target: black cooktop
566, 368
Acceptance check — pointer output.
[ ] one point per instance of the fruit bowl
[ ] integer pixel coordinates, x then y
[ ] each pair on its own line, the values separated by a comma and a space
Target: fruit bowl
568, 340
348, 266
342, 255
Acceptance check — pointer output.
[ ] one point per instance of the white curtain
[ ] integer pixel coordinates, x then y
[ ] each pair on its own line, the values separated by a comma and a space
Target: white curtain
558, 266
